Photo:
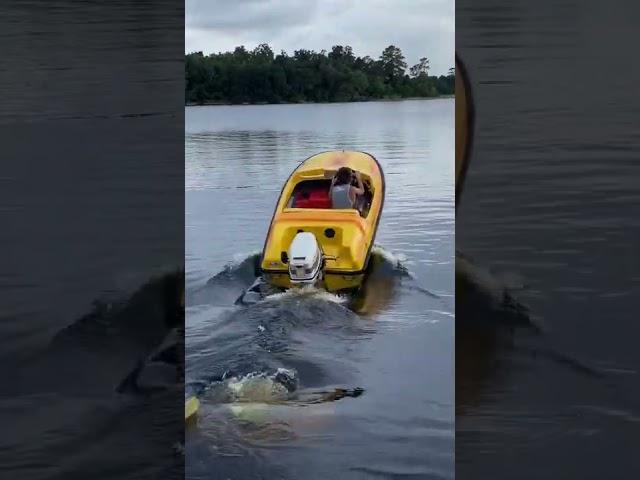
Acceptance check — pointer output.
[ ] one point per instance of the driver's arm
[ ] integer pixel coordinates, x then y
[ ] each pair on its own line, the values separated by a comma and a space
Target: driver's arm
359, 190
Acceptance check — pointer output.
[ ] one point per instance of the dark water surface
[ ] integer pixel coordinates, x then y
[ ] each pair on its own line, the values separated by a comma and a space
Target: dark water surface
91, 143
396, 343
551, 205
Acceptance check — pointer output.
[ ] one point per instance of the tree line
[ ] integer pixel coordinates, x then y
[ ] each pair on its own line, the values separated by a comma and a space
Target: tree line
260, 76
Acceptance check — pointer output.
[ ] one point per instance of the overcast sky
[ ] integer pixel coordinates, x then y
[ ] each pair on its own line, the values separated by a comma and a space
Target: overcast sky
418, 27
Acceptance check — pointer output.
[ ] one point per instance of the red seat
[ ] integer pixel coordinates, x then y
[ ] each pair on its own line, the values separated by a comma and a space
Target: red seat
313, 199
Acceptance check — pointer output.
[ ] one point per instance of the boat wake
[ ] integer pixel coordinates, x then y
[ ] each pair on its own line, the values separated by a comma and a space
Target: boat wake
137, 338
394, 259
493, 325
240, 283
308, 291
244, 268
270, 347
282, 347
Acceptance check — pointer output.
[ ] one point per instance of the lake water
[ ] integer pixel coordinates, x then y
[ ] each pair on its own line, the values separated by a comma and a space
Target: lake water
398, 347
91, 207
551, 206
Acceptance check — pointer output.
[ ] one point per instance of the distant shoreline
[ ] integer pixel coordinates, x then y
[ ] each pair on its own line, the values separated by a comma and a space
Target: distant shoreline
262, 77
370, 100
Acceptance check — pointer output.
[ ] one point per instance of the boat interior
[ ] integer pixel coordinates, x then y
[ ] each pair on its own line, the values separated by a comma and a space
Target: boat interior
315, 194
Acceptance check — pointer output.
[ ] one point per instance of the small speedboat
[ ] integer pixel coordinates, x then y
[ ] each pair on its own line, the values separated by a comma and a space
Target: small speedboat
311, 243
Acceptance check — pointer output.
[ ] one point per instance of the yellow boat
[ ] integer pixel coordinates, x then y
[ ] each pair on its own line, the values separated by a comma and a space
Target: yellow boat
309, 242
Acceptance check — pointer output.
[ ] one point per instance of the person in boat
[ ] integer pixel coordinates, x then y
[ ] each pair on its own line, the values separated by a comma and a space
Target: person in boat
342, 193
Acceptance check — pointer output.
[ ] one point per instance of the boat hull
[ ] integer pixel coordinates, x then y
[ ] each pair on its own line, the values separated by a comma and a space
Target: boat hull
345, 236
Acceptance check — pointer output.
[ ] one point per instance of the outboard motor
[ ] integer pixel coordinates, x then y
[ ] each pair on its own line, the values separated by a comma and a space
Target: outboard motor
305, 259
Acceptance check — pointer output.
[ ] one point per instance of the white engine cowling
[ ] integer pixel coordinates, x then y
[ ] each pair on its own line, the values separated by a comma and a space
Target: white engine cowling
305, 259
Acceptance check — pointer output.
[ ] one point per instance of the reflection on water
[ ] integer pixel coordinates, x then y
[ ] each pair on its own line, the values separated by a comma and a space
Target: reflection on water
548, 209
368, 388
88, 117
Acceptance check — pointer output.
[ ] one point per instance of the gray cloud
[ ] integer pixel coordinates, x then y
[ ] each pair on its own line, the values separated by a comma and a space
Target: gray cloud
247, 15
419, 27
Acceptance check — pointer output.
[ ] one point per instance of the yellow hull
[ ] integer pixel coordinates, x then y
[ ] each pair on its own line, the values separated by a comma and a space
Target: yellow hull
345, 235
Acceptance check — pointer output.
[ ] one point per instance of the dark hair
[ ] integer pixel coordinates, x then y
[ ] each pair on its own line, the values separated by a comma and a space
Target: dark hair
343, 176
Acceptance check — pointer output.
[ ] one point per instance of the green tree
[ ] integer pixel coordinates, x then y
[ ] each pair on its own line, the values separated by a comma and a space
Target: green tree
263, 53
241, 55
342, 54
393, 64
259, 76
421, 68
